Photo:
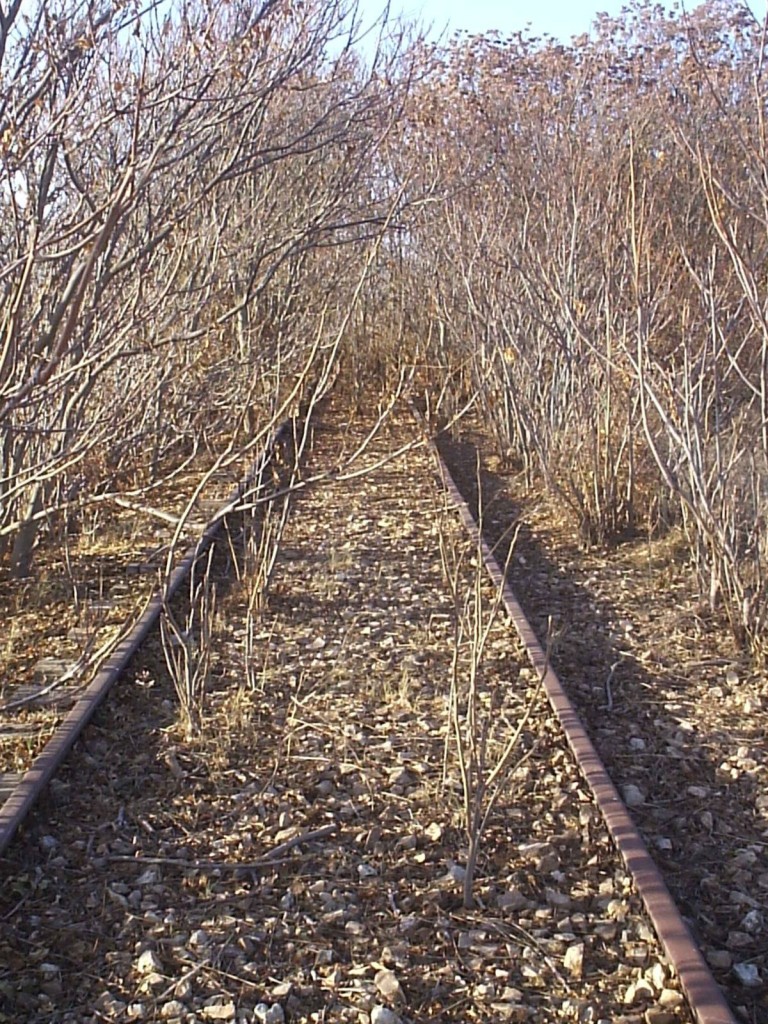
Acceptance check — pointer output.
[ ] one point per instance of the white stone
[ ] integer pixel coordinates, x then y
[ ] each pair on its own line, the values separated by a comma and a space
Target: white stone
748, 975
484, 992
573, 961
700, 792
148, 961
752, 922
219, 1011
172, 1009
383, 1015
669, 999
633, 796
657, 976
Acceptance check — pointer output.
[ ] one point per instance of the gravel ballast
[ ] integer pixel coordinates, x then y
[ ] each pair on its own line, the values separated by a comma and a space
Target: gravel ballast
303, 859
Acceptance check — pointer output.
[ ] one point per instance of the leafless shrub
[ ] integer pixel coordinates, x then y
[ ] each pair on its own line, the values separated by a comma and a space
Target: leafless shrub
180, 191
487, 744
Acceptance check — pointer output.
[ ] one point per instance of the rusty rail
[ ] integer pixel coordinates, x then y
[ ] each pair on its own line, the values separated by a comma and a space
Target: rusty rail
706, 999
33, 782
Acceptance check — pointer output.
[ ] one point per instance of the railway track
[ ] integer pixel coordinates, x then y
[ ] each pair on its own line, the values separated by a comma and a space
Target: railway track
304, 858
19, 791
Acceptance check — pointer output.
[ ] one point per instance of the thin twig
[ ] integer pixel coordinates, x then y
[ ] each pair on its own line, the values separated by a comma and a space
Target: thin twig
252, 865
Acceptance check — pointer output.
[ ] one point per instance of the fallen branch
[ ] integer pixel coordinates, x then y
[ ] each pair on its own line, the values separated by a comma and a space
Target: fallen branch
252, 865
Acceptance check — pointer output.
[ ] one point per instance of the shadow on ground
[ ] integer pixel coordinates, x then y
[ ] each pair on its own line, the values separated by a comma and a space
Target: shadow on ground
699, 822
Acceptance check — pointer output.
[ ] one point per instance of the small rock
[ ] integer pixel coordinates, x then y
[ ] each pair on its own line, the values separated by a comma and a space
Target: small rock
573, 961
383, 1015
148, 961
752, 922
173, 1008
739, 940
265, 1014
512, 995
48, 844
484, 993
617, 910
511, 1011
152, 982
747, 974
219, 1011
434, 832
669, 999
586, 814
707, 820
199, 938
640, 991
557, 899
183, 990
655, 1015
663, 843
109, 1005
742, 860
636, 743
457, 873
388, 986
512, 900
720, 959
136, 1011
699, 792
657, 976
636, 953
633, 795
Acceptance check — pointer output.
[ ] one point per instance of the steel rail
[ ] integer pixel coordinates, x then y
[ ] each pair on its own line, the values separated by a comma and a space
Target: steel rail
26, 794
705, 997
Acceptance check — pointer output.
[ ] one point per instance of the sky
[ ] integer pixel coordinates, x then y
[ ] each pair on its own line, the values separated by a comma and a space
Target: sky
560, 18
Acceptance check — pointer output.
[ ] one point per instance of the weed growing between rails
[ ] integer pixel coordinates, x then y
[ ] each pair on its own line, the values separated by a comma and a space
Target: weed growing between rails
263, 528
488, 745
188, 648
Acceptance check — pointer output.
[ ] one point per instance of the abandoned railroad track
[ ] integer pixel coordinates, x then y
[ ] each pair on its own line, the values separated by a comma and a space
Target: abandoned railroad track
305, 854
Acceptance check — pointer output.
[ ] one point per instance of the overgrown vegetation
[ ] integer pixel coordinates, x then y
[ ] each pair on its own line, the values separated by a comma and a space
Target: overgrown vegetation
208, 208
